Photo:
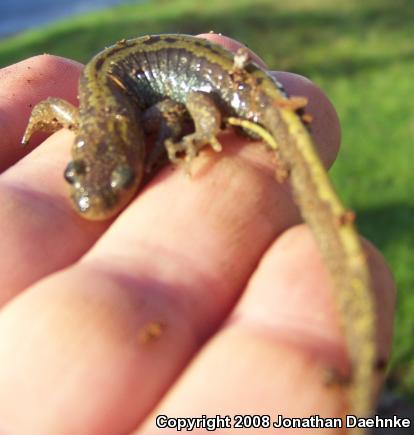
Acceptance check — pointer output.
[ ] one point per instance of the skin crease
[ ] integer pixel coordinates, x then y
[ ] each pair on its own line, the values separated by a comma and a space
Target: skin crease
76, 310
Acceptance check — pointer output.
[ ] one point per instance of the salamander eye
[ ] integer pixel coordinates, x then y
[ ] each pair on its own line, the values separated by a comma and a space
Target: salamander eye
74, 168
122, 177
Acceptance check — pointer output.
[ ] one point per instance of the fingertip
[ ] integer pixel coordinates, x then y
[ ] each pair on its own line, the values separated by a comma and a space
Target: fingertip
294, 261
232, 45
385, 291
325, 125
292, 271
24, 84
45, 74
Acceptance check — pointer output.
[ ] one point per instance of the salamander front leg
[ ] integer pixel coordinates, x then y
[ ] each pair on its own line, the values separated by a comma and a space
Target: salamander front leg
207, 124
169, 119
49, 116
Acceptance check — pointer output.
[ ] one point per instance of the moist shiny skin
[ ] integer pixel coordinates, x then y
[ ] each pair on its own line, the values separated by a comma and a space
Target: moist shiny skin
156, 83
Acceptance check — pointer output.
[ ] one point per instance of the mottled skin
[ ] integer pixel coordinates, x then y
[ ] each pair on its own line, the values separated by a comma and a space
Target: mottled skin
159, 82
116, 88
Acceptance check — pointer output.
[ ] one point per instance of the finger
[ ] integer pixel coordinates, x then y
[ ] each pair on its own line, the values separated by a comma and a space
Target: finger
279, 341
24, 84
41, 231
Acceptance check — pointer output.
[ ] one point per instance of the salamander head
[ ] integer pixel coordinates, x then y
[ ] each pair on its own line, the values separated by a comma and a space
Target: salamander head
101, 184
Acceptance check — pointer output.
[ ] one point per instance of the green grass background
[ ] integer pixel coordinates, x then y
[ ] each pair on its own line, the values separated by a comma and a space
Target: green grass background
360, 52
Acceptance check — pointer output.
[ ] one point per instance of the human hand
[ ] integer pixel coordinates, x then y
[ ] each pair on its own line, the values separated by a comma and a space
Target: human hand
217, 267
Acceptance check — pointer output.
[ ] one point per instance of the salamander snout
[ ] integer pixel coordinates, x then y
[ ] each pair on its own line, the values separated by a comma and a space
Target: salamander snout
99, 193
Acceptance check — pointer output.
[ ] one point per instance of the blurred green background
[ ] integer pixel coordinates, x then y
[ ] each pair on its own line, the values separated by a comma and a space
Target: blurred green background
360, 52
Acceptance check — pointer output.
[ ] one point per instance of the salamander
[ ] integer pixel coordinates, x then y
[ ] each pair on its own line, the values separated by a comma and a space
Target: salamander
163, 84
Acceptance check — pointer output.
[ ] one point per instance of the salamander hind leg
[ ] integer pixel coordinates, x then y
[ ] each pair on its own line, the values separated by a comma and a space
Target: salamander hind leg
49, 116
207, 124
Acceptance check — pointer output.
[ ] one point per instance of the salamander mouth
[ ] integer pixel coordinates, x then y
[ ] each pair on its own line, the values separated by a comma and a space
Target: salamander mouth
96, 207
99, 206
